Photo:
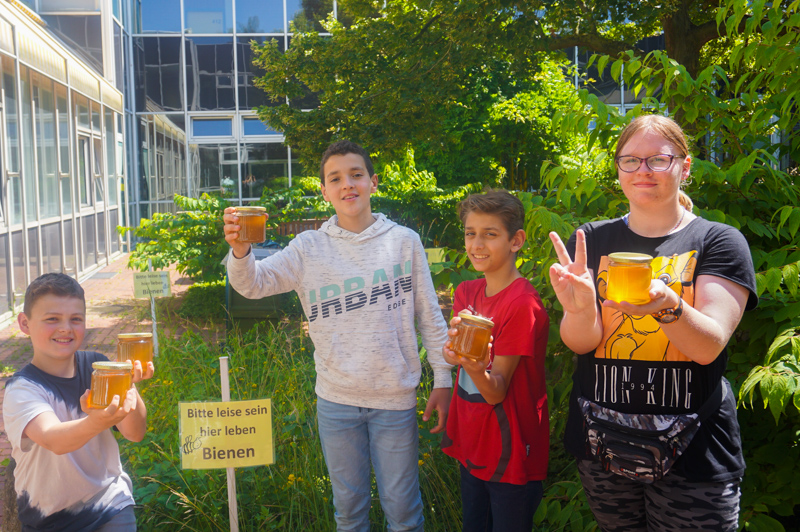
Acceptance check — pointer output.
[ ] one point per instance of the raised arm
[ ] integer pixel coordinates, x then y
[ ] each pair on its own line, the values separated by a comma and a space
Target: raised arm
581, 328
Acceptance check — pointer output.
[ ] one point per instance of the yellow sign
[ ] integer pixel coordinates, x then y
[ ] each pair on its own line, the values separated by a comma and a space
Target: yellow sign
231, 434
146, 284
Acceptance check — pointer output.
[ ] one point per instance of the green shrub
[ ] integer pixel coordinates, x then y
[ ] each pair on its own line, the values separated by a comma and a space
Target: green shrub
204, 301
191, 238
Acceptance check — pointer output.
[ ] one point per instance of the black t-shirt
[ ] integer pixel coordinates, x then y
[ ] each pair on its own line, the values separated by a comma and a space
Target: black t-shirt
635, 369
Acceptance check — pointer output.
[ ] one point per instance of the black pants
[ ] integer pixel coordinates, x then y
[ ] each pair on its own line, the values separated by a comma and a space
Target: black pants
498, 506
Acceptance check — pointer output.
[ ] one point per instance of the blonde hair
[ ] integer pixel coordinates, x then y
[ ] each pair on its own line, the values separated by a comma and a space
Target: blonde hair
665, 127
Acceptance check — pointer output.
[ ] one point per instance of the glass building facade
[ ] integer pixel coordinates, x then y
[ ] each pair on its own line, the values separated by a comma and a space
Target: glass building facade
62, 147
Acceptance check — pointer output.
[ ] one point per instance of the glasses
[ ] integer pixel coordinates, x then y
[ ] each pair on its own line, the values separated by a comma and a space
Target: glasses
656, 163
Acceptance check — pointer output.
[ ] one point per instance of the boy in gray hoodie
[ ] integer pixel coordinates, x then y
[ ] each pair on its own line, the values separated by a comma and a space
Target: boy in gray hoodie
362, 280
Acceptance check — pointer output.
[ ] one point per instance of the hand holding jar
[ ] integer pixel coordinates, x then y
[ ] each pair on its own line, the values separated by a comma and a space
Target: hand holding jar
470, 339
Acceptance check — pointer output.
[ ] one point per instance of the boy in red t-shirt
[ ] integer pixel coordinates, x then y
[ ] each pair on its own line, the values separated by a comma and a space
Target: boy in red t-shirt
498, 427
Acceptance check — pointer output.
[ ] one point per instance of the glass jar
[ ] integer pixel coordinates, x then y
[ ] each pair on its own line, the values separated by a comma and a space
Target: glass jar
629, 276
474, 333
135, 346
253, 223
109, 379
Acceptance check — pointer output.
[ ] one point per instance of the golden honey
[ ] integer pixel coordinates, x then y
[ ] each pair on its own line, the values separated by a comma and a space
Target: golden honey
629, 276
135, 346
474, 334
253, 223
109, 379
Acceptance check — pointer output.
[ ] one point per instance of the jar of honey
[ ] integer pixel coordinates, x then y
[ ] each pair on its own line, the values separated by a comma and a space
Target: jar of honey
109, 379
474, 333
135, 346
629, 276
253, 223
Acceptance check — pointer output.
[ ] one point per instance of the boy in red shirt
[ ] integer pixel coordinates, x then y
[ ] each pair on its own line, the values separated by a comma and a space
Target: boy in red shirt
498, 427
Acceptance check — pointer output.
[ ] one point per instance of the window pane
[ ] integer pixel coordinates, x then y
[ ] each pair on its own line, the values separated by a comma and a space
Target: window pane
163, 159
97, 166
63, 129
72, 5
212, 128
251, 96
5, 292
82, 179
96, 117
214, 169
69, 248
89, 256
19, 262
159, 84
45, 133
83, 34
51, 248
33, 252
209, 16
111, 157
259, 16
264, 166
10, 108
160, 16
28, 170
118, 66
209, 73
113, 222
254, 126
101, 234
305, 16
82, 109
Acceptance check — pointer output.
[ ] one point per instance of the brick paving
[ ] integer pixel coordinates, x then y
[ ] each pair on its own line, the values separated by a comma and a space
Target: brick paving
110, 310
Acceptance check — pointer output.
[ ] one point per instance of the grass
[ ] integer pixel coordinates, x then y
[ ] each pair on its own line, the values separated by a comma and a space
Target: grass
275, 361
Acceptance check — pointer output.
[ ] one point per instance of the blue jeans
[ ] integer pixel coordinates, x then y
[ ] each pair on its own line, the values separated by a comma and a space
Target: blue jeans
353, 438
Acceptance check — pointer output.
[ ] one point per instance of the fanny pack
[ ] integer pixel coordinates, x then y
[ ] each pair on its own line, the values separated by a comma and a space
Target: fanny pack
642, 447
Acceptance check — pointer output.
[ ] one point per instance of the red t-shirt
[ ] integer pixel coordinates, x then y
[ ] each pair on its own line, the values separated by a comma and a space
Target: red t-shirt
508, 442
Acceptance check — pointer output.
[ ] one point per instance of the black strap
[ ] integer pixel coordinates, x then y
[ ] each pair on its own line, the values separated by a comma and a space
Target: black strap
713, 403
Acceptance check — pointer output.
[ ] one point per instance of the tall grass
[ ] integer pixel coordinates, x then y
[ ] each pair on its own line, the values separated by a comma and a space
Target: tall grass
294, 494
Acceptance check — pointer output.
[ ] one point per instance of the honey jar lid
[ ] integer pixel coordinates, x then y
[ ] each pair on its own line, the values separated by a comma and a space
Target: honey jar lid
250, 210
477, 320
127, 365
630, 258
128, 336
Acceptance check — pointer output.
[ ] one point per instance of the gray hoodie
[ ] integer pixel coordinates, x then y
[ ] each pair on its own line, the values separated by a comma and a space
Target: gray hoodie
361, 293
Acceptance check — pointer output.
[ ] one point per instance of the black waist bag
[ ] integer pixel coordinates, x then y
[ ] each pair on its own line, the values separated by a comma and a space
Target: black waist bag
642, 447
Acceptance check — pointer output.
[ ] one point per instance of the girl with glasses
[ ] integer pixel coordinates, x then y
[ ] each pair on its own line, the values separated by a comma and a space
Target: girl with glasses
663, 357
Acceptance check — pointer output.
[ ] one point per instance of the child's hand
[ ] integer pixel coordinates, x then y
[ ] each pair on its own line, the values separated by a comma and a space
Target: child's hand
115, 412
231, 230
140, 375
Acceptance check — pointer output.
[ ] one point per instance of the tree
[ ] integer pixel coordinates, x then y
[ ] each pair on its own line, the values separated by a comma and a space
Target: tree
427, 73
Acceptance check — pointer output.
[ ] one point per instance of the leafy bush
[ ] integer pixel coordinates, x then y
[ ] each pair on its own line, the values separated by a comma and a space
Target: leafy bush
204, 301
191, 238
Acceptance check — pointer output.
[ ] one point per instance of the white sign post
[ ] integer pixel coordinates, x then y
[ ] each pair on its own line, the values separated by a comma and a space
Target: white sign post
233, 510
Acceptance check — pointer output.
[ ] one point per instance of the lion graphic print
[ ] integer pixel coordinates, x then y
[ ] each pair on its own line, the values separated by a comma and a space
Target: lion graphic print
627, 337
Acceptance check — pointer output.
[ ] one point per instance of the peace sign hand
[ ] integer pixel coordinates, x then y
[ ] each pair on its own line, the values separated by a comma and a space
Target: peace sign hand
571, 280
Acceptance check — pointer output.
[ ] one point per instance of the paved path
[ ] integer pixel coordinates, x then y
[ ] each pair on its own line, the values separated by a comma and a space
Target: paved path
110, 310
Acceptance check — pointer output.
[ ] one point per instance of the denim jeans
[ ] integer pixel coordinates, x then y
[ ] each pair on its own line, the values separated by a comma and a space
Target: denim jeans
352, 439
